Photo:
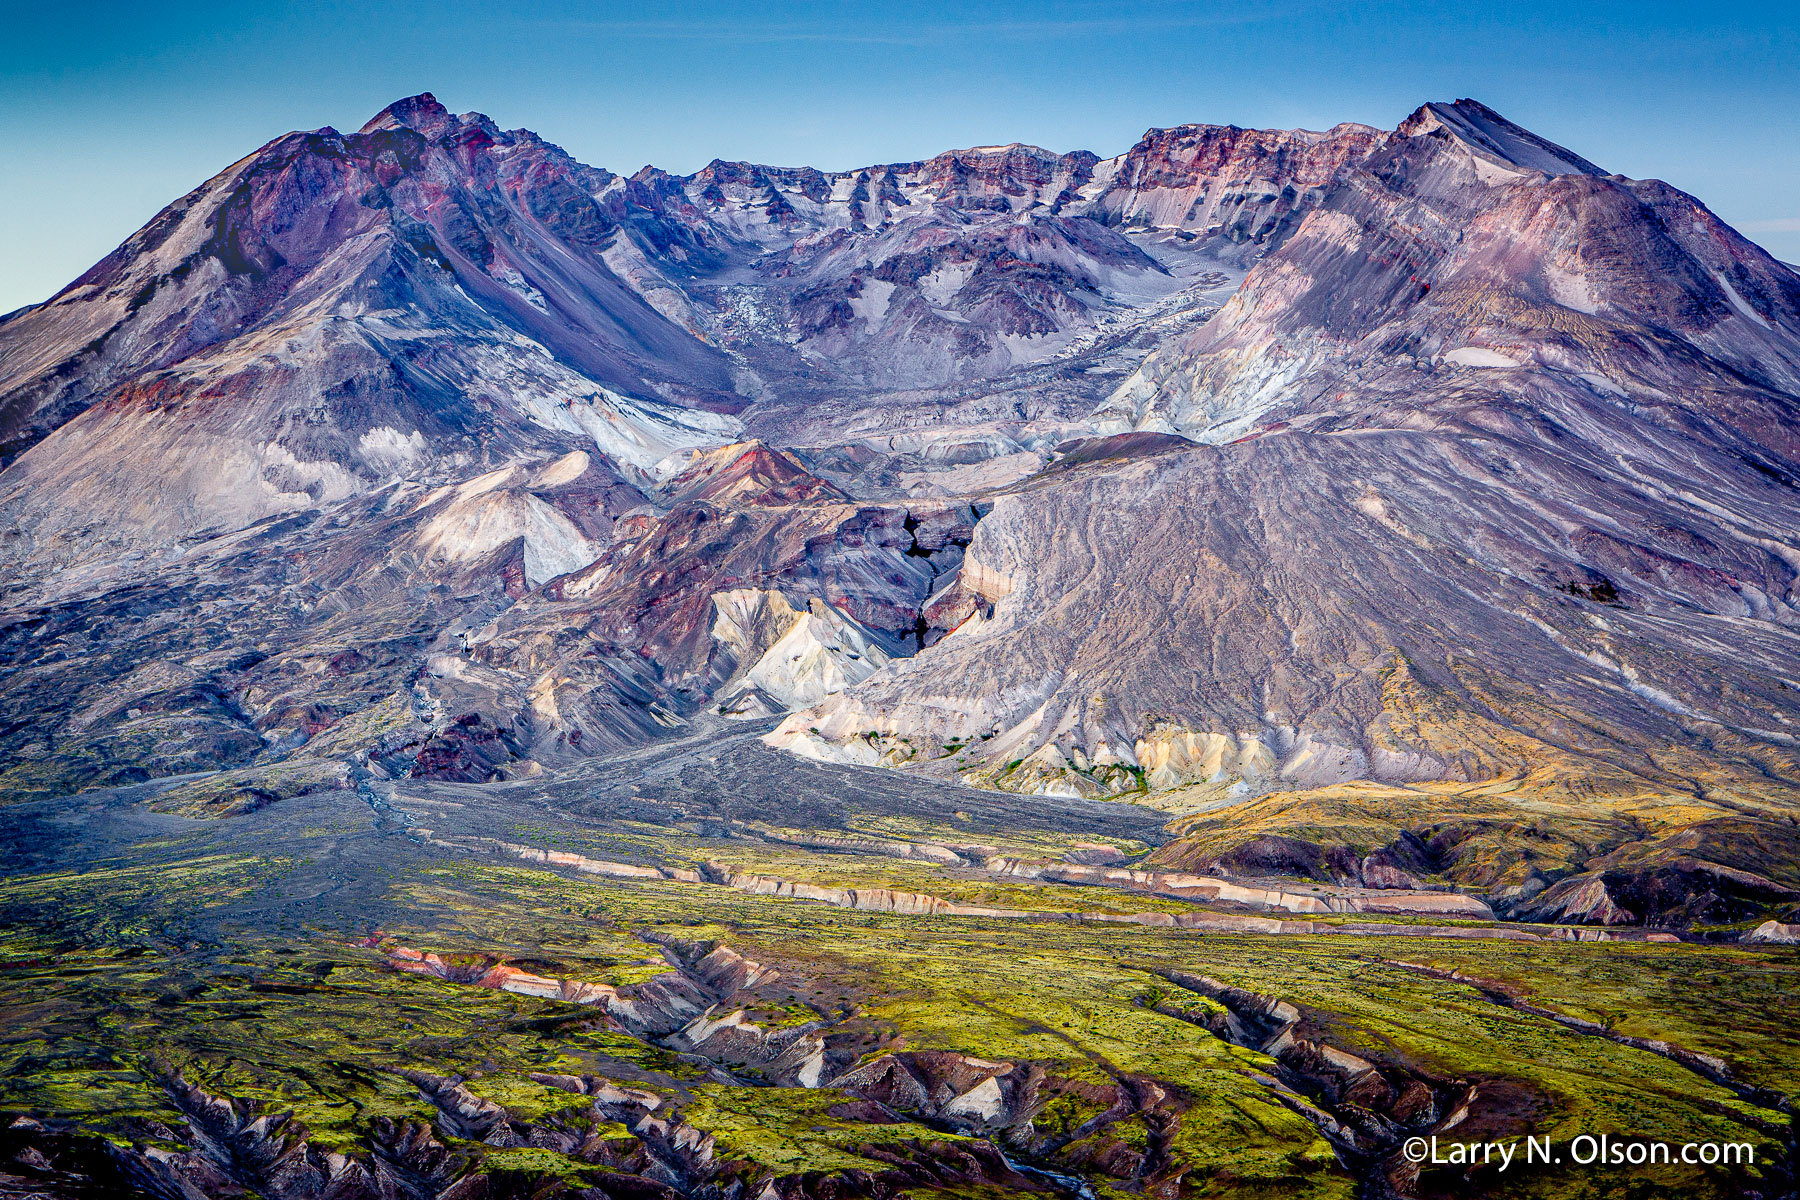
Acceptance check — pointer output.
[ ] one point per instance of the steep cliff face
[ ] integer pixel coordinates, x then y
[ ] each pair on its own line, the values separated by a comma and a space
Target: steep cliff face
765, 605
1241, 191
433, 296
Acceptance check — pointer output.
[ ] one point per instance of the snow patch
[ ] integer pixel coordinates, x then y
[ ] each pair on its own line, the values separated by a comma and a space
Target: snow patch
1601, 383
871, 303
1479, 356
321, 480
945, 281
1571, 290
1739, 303
510, 278
389, 451
1033, 347
634, 432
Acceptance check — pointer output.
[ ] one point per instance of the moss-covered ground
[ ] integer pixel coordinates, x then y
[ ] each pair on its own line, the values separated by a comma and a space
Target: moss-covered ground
121, 973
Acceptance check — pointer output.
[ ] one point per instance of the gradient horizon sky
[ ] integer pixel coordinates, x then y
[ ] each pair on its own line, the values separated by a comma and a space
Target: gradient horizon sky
110, 112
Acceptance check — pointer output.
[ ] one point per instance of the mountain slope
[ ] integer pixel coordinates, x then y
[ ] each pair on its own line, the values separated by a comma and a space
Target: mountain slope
328, 315
1433, 254
1503, 477
1242, 462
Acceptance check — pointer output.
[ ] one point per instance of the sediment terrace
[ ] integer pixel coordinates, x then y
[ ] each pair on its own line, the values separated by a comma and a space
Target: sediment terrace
1193, 888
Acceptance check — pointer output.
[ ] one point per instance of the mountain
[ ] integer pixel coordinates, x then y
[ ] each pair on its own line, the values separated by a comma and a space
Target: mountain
1485, 412
1351, 475
517, 681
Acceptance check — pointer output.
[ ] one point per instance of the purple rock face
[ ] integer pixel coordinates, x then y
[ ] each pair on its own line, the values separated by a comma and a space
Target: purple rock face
1244, 459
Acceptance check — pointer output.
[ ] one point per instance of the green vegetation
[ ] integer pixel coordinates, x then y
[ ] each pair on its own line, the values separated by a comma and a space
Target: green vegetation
791, 1130
229, 793
120, 977
956, 884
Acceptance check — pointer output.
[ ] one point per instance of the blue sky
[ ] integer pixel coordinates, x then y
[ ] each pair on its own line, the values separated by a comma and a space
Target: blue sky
109, 112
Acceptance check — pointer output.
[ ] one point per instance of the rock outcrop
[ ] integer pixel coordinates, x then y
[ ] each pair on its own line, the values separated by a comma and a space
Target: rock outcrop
1269, 895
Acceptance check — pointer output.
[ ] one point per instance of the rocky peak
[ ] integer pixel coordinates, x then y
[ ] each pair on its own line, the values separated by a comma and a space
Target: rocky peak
1014, 155
1184, 155
748, 473
1023, 175
421, 113
1245, 190
1490, 136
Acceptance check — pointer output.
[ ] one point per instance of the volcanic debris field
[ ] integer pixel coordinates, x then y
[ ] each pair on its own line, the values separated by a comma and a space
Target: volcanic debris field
380, 992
